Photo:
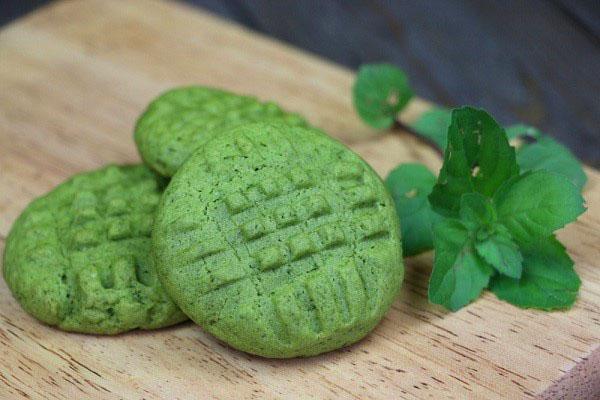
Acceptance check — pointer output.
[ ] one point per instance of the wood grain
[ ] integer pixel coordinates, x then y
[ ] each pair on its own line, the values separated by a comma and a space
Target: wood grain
73, 78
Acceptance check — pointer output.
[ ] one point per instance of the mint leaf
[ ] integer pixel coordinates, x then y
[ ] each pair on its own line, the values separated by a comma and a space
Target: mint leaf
409, 185
493, 242
433, 124
552, 156
548, 281
478, 158
459, 274
546, 153
379, 93
537, 203
499, 250
476, 211
518, 130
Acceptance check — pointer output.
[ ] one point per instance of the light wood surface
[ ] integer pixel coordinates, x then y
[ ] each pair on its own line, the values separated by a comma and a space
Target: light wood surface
73, 78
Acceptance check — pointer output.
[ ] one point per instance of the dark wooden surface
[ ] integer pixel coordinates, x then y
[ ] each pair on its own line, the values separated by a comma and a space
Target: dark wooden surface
535, 61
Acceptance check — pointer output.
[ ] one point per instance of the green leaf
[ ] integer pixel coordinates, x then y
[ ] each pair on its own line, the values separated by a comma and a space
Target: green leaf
546, 153
499, 250
548, 281
433, 124
492, 241
410, 184
518, 130
379, 93
537, 203
478, 158
459, 274
476, 211
552, 156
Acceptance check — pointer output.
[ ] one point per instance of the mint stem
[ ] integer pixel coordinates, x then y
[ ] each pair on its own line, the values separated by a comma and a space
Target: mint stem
400, 127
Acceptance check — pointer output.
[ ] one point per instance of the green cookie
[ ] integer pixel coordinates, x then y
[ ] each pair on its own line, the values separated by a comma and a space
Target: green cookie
279, 241
78, 257
178, 121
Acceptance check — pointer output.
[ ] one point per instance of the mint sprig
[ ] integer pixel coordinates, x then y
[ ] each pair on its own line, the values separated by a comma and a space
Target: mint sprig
492, 212
501, 221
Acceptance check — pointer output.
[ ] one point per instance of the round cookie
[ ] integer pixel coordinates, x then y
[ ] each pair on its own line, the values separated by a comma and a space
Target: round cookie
279, 241
178, 121
78, 257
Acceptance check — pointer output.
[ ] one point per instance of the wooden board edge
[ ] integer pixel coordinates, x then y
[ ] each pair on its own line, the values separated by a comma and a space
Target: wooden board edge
582, 381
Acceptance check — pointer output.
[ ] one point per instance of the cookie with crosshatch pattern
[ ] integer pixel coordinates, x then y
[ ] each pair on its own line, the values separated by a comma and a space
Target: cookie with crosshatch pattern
279, 241
78, 257
178, 121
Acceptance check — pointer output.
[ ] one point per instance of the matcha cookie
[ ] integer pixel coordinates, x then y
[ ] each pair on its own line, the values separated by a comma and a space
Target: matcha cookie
78, 257
177, 122
279, 241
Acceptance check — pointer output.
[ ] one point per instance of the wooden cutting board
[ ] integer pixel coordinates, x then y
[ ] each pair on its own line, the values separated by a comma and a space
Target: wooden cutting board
73, 78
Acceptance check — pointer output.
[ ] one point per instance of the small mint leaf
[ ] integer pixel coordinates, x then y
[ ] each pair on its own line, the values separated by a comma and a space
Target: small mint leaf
537, 203
552, 156
459, 274
409, 185
476, 211
478, 158
433, 124
548, 281
493, 242
501, 252
379, 93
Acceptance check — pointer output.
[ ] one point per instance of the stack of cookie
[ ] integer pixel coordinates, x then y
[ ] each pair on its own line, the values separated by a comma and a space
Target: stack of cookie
267, 233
